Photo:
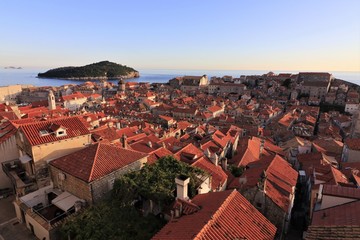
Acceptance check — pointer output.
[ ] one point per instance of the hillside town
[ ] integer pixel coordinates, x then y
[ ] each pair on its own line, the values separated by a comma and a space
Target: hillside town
278, 154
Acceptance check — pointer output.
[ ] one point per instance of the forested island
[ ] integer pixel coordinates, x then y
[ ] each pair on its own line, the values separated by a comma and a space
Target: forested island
100, 70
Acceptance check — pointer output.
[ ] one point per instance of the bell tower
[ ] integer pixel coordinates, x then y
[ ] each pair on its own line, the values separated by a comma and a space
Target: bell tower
51, 101
121, 86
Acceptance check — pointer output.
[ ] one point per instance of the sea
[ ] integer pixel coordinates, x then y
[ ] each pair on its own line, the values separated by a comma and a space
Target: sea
29, 76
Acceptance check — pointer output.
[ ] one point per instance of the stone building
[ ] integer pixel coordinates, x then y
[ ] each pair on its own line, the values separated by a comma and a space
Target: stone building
270, 186
351, 150
42, 141
90, 173
315, 84
8, 150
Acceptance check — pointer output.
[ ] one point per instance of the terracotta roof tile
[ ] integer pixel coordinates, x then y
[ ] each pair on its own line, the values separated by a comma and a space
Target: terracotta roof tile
74, 128
223, 215
158, 153
339, 191
340, 232
96, 161
219, 177
7, 129
106, 132
353, 143
186, 152
345, 214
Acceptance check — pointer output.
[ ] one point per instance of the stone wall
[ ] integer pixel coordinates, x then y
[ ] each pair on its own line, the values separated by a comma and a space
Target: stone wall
9, 93
71, 184
95, 191
42, 154
8, 151
267, 207
103, 185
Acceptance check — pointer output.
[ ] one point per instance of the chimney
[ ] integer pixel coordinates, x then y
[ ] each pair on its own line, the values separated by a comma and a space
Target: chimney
182, 183
149, 144
123, 141
118, 125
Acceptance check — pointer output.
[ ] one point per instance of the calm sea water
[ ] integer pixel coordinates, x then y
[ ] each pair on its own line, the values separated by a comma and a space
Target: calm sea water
28, 76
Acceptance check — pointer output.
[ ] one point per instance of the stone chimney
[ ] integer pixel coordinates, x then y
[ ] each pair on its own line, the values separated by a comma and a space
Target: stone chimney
123, 141
182, 183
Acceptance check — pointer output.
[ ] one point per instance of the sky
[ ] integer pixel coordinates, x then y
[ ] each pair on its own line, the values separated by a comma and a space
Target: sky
321, 35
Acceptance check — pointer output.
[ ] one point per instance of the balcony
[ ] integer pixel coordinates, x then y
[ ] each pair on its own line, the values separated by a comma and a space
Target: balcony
19, 177
49, 206
49, 215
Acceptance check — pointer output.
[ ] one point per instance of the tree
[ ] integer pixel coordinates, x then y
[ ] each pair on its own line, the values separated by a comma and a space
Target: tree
117, 217
236, 171
157, 181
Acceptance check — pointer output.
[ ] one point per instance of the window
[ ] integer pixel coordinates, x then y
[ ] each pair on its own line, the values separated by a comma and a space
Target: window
43, 133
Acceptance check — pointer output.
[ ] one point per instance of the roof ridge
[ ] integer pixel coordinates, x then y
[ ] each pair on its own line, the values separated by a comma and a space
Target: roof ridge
93, 164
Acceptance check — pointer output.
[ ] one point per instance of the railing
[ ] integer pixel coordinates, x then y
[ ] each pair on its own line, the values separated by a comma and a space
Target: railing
17, 174
52, 221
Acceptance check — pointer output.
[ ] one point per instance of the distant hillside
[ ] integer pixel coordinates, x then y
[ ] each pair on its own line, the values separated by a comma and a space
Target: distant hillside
100, 70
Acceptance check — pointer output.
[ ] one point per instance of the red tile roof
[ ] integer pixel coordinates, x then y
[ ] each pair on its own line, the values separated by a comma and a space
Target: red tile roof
218, 176
342, 215
333, 232
8, 115
7, 129
73, 96
214, 109
339, 191
353, 143
158, 153
189, 153
96, 161
105, 132
222, 215
74, 128
145, 145
280, 179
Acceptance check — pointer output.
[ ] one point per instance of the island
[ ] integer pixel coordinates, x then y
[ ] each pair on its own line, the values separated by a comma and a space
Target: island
12, 67
98, 71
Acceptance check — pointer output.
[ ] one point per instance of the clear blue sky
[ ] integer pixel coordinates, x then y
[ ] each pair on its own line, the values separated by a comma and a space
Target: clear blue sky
252, 35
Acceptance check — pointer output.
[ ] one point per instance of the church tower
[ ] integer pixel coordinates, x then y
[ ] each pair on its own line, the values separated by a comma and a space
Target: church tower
51, 101
121, 86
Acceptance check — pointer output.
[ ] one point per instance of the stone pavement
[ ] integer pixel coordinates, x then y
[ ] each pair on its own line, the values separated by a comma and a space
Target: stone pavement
10, 228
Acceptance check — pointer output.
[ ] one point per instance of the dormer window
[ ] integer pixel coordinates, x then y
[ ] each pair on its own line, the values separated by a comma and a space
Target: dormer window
44, 133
